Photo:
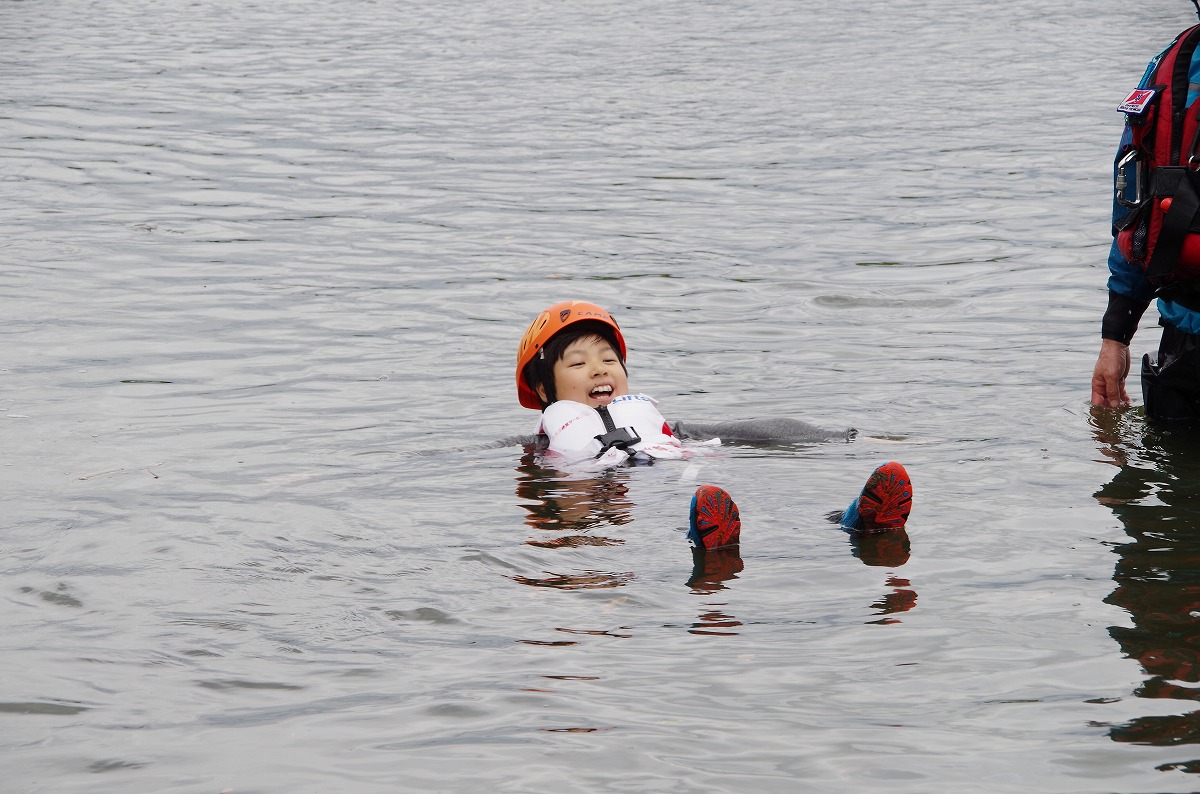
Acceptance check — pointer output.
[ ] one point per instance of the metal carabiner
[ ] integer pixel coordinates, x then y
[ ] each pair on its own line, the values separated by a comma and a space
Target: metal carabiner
1122, 182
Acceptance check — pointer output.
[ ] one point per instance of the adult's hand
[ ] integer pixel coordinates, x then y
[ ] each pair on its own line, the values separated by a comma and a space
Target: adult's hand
1108, 379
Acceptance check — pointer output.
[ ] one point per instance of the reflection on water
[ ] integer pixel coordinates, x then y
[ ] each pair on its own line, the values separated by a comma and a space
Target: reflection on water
890, 549
587, 580
902, 598
710, 569
1156, 496
557, 502
887, 550
882, 549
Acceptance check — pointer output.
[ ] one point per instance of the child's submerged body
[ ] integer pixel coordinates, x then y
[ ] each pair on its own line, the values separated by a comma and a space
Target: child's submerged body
571, 366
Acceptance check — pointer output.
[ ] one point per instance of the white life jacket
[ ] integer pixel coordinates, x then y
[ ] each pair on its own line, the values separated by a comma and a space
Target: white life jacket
572, 429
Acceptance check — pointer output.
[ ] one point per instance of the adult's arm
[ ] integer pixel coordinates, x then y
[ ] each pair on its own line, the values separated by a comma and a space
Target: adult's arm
1117, 329
1129, 294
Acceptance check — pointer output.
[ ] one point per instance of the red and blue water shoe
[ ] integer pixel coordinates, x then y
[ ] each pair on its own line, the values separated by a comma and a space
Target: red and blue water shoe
713, 522
885, 501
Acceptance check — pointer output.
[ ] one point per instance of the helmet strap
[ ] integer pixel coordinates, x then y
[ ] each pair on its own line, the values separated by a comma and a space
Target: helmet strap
1196, 3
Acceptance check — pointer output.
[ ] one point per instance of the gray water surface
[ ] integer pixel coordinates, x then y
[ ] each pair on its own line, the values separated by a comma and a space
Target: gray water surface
267, 522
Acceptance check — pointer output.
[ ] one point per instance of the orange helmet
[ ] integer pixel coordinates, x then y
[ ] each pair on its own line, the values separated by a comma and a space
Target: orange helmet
542, 329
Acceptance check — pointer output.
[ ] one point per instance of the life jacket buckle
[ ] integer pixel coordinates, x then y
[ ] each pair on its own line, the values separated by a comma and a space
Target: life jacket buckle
621, 438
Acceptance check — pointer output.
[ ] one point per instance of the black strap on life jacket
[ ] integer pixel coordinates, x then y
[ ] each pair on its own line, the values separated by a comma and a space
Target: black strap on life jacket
1176, 222
620, 437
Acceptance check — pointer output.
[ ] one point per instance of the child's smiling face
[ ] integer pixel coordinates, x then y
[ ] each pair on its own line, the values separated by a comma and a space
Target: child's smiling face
590, 372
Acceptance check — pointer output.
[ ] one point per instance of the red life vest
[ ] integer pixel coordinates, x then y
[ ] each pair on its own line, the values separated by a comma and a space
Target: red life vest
1158, 170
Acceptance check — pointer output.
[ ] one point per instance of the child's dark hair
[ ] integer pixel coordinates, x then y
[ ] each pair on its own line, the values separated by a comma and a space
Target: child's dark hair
539, 372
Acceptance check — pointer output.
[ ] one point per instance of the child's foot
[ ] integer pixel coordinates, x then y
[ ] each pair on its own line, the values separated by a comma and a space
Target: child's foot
884, 503
713, 522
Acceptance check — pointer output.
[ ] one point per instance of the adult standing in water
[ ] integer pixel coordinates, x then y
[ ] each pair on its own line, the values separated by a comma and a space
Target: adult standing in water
1156, 253
1156, 491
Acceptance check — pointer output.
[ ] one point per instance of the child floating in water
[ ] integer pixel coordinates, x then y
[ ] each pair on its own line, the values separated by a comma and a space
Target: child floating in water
571, 367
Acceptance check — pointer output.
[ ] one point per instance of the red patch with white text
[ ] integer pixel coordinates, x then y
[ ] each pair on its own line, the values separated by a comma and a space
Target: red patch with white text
1138, 100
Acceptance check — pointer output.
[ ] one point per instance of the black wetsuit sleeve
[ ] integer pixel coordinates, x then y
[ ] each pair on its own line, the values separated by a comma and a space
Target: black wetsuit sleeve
1122, 317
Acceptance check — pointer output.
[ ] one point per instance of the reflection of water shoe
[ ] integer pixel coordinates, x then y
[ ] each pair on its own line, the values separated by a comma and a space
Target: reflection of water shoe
713, 522
884, 503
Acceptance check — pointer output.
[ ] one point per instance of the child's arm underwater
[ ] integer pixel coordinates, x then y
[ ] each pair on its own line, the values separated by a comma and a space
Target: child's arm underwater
760, 431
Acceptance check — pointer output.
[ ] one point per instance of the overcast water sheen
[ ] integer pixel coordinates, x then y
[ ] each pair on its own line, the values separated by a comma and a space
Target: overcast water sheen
268, 523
